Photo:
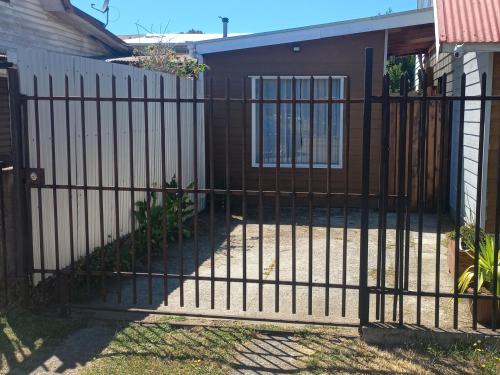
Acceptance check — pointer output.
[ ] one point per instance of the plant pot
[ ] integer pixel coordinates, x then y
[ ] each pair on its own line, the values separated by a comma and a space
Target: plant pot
464, 259
485, 310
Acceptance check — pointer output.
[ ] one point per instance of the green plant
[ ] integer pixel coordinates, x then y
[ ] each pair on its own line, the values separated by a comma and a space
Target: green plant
399, 66
467, 235
486, 268
170, 209
164, 59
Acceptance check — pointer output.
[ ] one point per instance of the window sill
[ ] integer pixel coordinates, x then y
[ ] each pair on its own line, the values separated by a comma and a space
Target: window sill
297, 166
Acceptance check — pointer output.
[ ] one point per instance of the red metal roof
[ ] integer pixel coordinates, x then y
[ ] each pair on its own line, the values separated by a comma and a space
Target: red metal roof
468, 21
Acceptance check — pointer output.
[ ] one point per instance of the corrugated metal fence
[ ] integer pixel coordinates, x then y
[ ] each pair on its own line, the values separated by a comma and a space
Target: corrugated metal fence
36, 69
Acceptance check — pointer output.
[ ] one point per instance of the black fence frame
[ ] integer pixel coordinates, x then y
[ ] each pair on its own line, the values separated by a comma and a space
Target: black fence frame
366, 198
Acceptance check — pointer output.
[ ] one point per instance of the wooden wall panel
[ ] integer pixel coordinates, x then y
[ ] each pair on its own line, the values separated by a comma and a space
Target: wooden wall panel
340, 56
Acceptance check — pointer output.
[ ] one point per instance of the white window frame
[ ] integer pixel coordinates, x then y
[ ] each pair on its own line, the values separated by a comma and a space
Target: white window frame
256, 164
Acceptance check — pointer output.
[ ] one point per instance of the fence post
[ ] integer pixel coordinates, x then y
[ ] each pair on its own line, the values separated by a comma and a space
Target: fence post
364, 296
22, 232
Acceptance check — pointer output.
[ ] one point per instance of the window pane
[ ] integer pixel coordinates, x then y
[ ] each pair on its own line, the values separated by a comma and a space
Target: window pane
320, 131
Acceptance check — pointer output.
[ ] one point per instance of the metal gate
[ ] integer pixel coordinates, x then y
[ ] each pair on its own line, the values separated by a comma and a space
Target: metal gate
157, 240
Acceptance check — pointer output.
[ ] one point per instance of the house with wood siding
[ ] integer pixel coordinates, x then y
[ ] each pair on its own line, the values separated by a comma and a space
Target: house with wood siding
51, 25
468, 42
334, 51
453, 37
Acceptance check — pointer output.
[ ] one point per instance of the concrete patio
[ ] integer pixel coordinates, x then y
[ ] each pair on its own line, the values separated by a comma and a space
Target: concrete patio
302, 271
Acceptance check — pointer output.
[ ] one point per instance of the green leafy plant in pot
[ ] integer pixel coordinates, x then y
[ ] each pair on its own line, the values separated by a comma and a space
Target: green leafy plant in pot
465, 249
485, 280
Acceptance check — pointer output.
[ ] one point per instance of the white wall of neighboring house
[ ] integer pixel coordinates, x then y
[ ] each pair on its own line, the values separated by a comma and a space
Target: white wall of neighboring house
25, 23
473, 64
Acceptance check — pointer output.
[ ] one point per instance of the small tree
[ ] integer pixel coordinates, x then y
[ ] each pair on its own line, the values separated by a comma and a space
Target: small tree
164, 59
399, 66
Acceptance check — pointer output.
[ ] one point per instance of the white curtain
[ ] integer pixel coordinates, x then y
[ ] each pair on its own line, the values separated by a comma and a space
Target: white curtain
320, 129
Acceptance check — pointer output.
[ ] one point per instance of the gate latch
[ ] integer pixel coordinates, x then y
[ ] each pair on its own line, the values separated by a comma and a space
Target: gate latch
36, 177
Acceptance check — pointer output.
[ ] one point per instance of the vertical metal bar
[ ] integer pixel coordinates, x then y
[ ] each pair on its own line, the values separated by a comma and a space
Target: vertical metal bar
277, 198
402, 200
458, 200
212, 195
400, 170
117, 197
148, 191
39, 189
244, 191
347, 128
228, 197
69, 185
310, 196
85, 183
54, 190
422, 151
23, 256
3, 240
100, 187
364, 296
180, 192
294, 215
440, 154
495, 255
479, 200
409, 193
382, 233
328, 195
132, 186
196, 196
261, 165
164, 194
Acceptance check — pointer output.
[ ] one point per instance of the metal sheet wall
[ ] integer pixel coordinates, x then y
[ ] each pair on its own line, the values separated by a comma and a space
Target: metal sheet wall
42, 64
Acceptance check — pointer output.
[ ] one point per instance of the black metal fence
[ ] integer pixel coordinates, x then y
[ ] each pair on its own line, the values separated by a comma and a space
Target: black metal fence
216, 258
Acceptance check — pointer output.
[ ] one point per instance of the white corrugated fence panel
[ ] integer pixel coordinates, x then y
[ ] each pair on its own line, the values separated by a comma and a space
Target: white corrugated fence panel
42, 65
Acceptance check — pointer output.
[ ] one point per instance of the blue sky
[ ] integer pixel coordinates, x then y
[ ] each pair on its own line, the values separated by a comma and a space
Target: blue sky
245, 16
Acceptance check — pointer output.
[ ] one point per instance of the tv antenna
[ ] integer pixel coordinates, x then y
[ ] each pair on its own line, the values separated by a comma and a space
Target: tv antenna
104, 9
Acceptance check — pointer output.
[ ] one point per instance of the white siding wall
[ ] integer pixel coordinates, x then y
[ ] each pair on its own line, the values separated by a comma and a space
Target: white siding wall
473, 65
24, 23
44, 64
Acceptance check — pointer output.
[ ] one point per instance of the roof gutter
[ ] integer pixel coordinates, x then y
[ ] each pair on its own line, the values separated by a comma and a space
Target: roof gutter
469, 47
88, 25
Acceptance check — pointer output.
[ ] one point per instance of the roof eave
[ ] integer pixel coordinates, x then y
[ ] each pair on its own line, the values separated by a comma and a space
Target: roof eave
394, 20
87, 25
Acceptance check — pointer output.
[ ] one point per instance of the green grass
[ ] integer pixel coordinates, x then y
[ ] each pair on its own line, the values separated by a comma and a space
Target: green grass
334, 354
23, 332
159, 348
164, 347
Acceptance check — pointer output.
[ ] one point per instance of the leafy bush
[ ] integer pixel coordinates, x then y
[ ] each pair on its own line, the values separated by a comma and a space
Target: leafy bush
164, 59
486, 267
169, 210
104, 258
467, 235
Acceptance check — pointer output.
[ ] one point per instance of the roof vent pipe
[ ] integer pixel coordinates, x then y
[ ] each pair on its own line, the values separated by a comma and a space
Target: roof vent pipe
225, 21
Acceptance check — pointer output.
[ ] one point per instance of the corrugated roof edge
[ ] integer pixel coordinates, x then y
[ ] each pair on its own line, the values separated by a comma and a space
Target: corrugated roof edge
355, 26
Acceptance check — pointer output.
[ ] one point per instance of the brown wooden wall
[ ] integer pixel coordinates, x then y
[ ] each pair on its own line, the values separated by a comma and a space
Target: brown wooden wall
5, 140
342, 56
494, 149
435, 149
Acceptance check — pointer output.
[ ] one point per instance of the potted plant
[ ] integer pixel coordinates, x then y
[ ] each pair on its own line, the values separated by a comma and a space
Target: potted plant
465, 249
485, 282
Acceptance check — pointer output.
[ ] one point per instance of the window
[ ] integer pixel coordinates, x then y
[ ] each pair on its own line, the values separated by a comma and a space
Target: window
302, 118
